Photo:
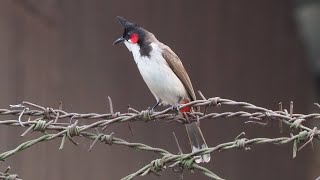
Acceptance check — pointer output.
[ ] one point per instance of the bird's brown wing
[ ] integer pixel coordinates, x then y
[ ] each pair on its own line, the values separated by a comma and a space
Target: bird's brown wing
177, 67
195, 135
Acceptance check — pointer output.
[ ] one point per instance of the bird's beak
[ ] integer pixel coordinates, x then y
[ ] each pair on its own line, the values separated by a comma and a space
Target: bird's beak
119, 40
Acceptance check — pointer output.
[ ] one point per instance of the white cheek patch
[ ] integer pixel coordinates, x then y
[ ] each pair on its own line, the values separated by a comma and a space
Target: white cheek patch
128, 45
134, 48
129, 41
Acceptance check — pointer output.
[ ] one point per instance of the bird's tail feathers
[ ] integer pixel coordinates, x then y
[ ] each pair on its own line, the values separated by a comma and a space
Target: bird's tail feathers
197, 141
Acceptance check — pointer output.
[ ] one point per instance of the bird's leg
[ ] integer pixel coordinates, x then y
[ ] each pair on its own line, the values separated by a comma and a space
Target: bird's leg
154, 107
175, 107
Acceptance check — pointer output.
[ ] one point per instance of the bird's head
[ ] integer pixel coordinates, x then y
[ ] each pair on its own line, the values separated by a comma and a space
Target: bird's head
132, 34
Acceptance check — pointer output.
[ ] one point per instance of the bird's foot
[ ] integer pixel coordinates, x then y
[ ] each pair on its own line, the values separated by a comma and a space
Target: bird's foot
150, 110
146, 114
175, 108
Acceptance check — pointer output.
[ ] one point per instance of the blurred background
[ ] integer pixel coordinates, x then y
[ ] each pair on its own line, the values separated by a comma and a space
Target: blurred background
263, 52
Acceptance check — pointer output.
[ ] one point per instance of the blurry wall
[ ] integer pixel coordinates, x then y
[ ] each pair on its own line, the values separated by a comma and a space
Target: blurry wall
242, 50
307, 13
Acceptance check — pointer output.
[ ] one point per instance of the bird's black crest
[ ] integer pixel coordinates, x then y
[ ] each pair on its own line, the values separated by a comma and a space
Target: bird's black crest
129, 28
125, 23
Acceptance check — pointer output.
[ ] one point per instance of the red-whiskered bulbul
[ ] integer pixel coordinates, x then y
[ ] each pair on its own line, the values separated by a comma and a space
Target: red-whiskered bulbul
164, 74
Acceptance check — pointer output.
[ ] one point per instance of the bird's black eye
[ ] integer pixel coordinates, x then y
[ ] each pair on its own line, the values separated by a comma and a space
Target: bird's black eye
126, 35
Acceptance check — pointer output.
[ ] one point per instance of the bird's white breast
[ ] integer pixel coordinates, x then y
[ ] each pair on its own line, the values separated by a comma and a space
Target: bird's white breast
159, 77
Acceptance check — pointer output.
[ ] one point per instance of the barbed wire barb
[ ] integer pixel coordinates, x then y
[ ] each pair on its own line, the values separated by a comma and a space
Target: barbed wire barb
44, 119
8, 176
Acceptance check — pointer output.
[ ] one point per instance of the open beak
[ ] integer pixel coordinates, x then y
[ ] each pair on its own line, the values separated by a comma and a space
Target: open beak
119, 40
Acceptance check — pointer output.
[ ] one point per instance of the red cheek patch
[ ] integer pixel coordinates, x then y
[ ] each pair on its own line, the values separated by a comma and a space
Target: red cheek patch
185, 109
134, 38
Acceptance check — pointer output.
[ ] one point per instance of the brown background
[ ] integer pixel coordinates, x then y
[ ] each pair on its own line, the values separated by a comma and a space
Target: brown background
242, 50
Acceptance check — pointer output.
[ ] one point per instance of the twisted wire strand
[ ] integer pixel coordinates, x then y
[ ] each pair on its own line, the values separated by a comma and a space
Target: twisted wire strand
238, 143
134, 115
50, 119
8, 176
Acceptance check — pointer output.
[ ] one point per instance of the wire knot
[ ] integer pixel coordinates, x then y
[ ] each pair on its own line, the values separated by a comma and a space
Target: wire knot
107, 138
213, 101
73, 130
157, 165
314, 132
297, 123
145, 115
303, 135
41, 125
241, 143
187, 163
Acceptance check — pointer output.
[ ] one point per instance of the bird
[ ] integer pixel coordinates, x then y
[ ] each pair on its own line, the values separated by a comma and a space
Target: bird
165, 76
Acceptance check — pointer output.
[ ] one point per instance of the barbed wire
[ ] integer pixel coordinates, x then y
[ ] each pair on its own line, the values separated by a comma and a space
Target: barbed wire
187, 160
50, 119
7, 176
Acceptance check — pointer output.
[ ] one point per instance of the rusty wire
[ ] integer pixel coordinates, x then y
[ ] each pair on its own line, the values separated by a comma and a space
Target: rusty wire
50, 119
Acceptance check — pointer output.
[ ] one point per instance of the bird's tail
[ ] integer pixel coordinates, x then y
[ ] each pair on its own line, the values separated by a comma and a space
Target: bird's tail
195, 135
197, 141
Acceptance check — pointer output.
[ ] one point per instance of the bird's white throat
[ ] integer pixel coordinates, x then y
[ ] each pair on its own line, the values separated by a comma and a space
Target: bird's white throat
135, 49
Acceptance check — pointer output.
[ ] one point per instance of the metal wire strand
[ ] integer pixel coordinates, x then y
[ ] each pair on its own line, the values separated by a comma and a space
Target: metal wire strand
43, 119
